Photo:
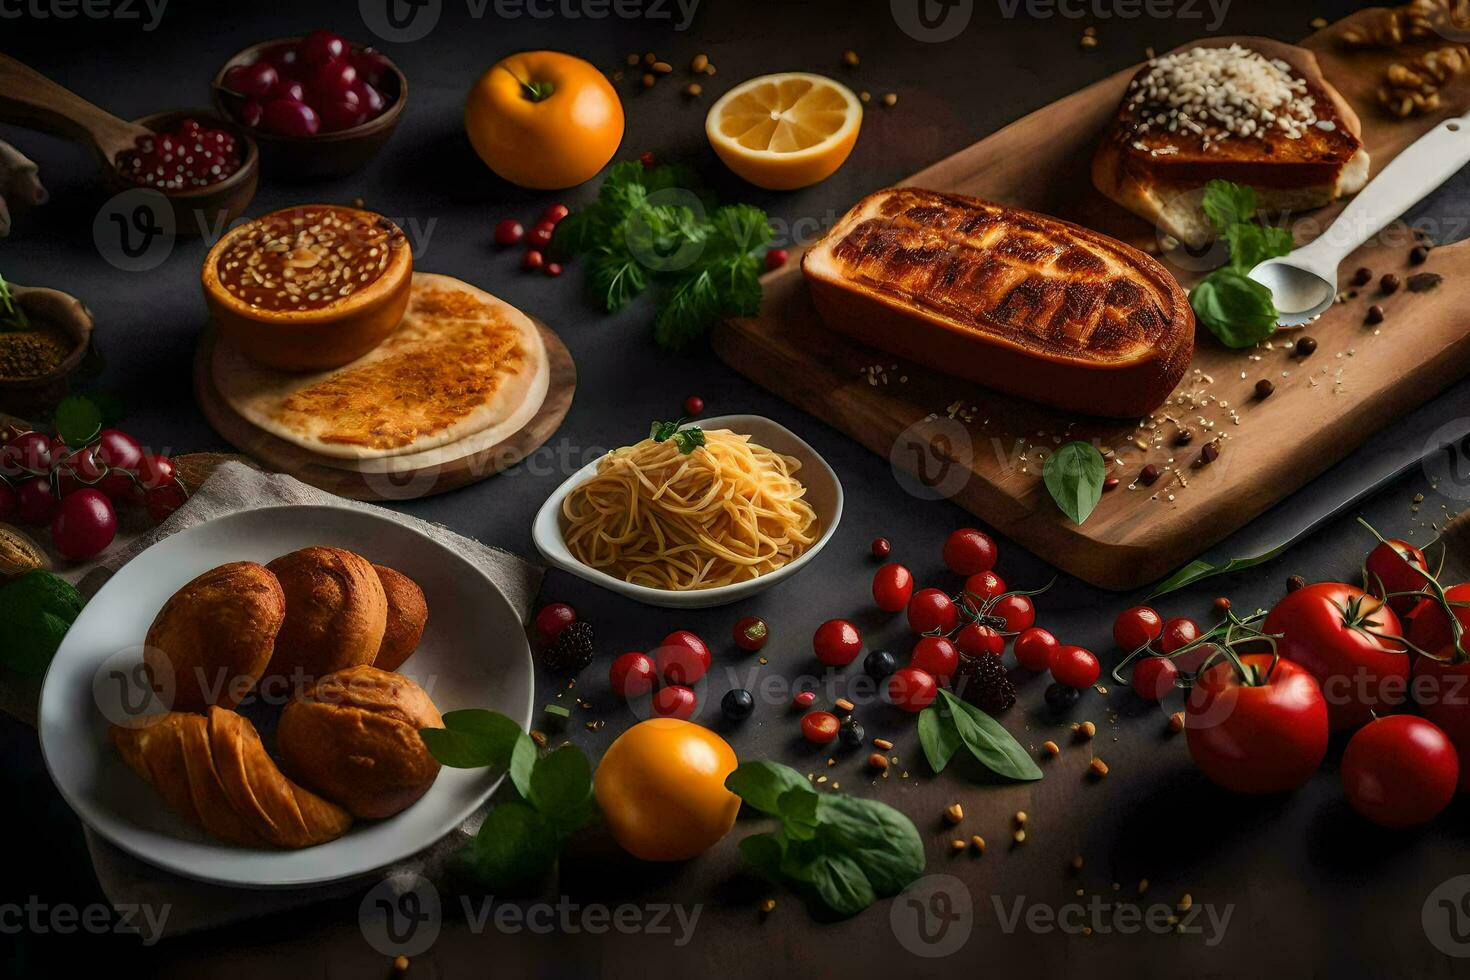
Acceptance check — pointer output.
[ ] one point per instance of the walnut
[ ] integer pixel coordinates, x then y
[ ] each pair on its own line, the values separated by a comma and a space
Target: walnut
1414, 21
1412, 87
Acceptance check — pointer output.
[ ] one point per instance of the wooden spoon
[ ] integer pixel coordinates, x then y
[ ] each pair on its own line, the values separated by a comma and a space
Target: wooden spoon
30, 99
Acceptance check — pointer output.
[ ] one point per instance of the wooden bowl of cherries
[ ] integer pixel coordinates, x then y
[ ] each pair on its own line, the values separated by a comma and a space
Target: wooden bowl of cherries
317, 106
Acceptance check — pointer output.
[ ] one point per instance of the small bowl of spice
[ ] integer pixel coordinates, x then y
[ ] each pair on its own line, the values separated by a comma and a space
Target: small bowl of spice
44, 335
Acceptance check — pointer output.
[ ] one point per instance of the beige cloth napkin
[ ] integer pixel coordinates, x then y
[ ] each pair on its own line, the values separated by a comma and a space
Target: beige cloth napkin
195, 905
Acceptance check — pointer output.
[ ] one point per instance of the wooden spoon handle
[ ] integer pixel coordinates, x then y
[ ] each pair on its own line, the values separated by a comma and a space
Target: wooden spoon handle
30, 99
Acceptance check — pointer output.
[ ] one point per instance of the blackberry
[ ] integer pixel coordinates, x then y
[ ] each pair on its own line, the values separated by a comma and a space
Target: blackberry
983, 682
572, 649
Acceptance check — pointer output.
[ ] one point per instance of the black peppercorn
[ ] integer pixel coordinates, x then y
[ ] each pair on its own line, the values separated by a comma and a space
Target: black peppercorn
1362, 276
1294, 583
1389, 283
1375, 314
1264, 388
1419, 254
1305, 346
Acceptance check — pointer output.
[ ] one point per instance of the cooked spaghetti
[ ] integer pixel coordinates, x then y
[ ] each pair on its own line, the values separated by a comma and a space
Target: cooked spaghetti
727, 512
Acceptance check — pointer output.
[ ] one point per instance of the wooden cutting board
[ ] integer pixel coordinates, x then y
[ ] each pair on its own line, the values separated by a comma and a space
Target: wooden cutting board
985, 450
463, 462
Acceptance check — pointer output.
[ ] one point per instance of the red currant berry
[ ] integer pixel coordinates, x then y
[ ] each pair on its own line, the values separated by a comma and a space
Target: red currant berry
555, 213
533, 259
552, 619
804, 699
776, 258
881, 547
509, 232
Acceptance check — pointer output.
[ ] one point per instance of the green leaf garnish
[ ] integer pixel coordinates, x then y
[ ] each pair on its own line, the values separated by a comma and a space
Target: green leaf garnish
77, 420
954, 722
1199, 569
1074, 477
1236, 309
1227, 204
12, 317
686, 438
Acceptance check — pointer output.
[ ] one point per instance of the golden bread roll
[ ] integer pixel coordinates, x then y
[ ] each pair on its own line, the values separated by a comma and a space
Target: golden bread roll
211, 641
353, 737
216, 773
336, 612
408, 613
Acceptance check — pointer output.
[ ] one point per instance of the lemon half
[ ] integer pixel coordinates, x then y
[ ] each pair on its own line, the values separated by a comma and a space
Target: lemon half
785, 131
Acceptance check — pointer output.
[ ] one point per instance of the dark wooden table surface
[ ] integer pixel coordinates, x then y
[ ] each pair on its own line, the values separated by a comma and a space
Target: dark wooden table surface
1300, 884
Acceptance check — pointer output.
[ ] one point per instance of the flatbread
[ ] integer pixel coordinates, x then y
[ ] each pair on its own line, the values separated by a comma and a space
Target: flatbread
461, 363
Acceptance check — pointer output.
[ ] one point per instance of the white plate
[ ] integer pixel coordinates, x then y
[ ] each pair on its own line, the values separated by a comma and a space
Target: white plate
473, 655
823, 492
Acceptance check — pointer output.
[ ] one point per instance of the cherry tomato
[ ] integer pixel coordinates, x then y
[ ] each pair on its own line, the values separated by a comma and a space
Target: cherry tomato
969, 552
1266, 737
1395, 566
84, 525
35, 501
693, 406
1177, 633
880, 547
1429, 627
1399, 771
751, 633
893, 586
1018, 612
1034, 648
682, 658
156, 471
675, 701
632, 675
776, 258
985, 585
1153, 677
509, 232
837, 642
1329, 629
820, 727
163, 501
912, 689
1075, 667
552, 618
935, 656
1442, 689
931, 611
1135, 627
976, 640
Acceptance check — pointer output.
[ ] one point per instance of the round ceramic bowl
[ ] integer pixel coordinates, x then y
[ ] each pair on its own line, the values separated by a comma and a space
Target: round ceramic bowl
823, 492
208, 210
325, 154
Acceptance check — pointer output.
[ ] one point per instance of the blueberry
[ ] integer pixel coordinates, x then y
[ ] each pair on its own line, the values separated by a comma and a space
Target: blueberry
1060, 698
852, 734
879, 664
737, 704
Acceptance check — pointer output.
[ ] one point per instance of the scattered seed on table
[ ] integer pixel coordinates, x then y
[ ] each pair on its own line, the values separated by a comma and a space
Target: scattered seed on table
693, 90
1051, 747
699, 63
648, 80
1086, 730
878, 761
1098, 767
1149, 475
1264, 388
1209, 452
1295, 582
890, 100
1088, 42
1142, 885
957, 845
768, 906
882, 743
865, 96
850, 59
1363, 276
1020, 818
842, 704
978, 843
1419, 255
1389, 283
954, 813
1111, 483
1186, 902
1077, 863
1305, 347
1019, 836
632, 60
400, 964
1375, 315
1176, 722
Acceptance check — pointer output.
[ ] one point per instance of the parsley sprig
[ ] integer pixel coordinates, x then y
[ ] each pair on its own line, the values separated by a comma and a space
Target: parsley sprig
650, 227
1237, 309
12, 317
687, 437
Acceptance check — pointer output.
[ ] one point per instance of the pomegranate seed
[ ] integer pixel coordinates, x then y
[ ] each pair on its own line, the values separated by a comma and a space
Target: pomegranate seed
555, 213
693, 405
804, 699
508, 232
553, 268
533, 259
776, 258
648, 160
540, 235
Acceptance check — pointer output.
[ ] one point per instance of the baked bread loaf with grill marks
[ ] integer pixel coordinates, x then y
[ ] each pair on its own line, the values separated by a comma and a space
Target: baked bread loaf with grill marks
1014, 300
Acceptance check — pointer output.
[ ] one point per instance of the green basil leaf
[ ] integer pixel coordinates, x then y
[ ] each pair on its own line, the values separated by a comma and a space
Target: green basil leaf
1252, 244
797, 808
764, 784
561, 788
764, 853
879, 839
1074, 477
840, 883
77, 420
522, 764
1227, 204
1199, 569
490, 734
937, 737
458, 750
515, 846
1235, 308
988, 741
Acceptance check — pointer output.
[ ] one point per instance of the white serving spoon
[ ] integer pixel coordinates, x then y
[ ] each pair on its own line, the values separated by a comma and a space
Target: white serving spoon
1303, 283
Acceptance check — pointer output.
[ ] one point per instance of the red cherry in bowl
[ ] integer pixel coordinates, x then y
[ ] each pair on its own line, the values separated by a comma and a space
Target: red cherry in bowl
288, 117
289, 88
372, 100
250, 112
320, 47
340, 111
371, 66
332, 78
254, 81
